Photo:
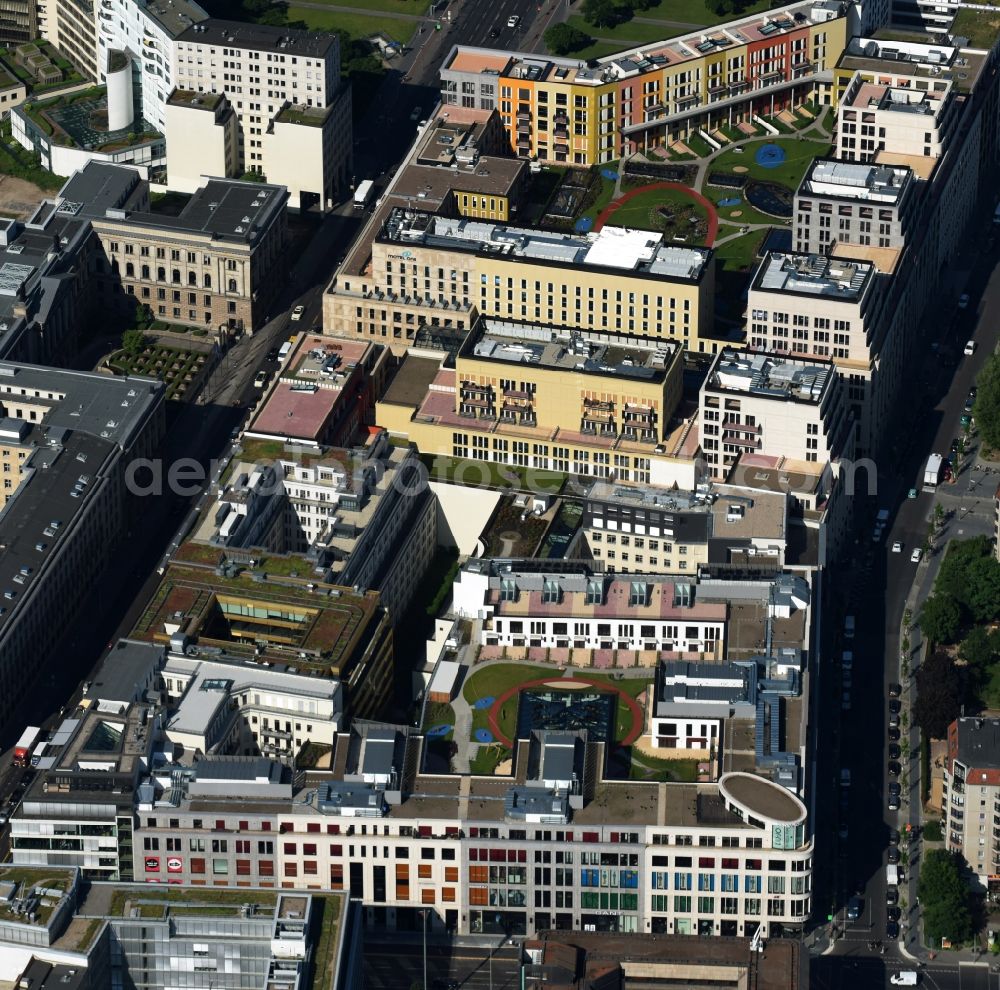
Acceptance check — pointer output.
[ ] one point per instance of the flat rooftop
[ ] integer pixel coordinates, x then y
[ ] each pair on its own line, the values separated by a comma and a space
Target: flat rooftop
512, 342
414, 376
612, 248
328, 624
99, 187
175, 16
939, 62
872, 183
814, 275
224, 209
309, 388
196, 101
650, 57
259, 37
770, 376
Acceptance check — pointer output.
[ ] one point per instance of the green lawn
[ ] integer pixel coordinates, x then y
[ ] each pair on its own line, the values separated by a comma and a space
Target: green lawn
741, 252
598, 50
603, 196
498, 678
979, 26
488, 474
438, 714
695, 12
629, 34
487, 758
356, 25
799, 153
417, 8
642, 212
650, 768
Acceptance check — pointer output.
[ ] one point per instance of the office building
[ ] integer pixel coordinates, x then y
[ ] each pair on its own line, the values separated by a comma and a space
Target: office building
218, 263
971, 780
132, 935
428, 269
772, 403
71, 25
292, 109
324, 393
19, 22
842, 203
275, 609
67, 438
561, 110
536, 396
629, 528
366, 513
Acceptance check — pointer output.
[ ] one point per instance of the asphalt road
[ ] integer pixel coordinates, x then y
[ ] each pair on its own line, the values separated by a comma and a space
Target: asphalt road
876, 586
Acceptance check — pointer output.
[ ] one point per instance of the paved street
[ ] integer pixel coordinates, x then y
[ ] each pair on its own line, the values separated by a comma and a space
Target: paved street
877, 586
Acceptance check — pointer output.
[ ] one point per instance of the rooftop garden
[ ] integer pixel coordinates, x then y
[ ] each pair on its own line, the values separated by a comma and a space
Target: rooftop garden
50, 56
191, 897
981, 27
179, 369
311, 116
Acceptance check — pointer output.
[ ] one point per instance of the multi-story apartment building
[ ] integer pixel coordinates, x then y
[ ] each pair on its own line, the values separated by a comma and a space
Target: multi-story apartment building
971, 797
443, 271
537, 396
365, 513
562, 110
866, 204
893, 113
812, 306
557, 844
628, 528
324, 393
275, 609
218, 263
293, 110
65, 446
529, 606
772, 403
19, 22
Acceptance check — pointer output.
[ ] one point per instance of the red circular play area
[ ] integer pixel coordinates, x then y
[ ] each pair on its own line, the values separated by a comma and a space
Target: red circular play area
713, 216
634, 708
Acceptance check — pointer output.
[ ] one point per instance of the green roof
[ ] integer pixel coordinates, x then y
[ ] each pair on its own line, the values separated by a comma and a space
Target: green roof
981, 27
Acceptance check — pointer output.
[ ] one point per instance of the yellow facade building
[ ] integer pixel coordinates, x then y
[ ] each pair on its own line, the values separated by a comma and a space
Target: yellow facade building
548, 398
583, 113
426, 269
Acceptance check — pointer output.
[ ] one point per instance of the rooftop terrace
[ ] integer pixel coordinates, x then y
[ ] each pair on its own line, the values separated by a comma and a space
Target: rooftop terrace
612, 248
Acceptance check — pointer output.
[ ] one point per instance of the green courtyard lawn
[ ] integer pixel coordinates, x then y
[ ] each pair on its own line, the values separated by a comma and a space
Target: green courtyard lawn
741, 252
494, 680
643, 212
356, 25
799, 153
489, 474
650, 768
606, 190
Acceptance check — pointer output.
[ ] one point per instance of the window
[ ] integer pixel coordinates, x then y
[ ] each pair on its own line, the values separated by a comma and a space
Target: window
220, 867
197, 866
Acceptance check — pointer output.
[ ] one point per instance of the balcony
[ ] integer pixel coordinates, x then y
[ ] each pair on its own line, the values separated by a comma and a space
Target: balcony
561, 134
517, 393
523, 115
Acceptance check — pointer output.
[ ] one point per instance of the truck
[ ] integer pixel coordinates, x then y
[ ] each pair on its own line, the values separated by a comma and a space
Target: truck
892, 875
363, 194
932, 472
22, 749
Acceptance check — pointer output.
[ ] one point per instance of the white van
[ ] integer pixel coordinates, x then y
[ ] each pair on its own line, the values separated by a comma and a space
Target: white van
907, 978
284, 349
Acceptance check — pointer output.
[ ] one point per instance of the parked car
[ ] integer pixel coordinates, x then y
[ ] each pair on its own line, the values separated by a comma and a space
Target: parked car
297, 313
955, 444
893, 854
916, 556
894, 769
272, 354
891, 895
895, 690
970, 348
894, 751
260, 380
893, 913
893, 732
891, 930
894, 787
897, 547
894, 706
894, 837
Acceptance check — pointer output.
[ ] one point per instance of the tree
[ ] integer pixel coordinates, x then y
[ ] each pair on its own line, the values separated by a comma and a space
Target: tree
561, 39
602, 13
939, 696
987, 406
944, 897
980, 650
962, 554
941, 618
983, 583
133, 342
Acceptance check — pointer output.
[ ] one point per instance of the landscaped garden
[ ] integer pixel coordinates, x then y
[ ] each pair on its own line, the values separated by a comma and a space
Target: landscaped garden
673, 212
180, 370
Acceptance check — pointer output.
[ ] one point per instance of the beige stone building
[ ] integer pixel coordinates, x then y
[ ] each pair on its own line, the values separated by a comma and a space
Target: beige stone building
622, 284
219, 263
205, 139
